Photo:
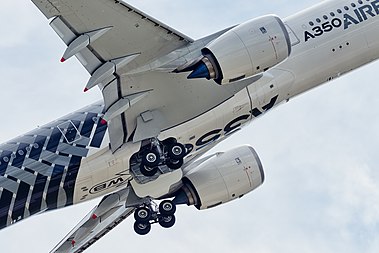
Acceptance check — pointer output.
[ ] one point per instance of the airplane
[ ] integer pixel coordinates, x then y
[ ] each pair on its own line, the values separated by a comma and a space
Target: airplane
134, 167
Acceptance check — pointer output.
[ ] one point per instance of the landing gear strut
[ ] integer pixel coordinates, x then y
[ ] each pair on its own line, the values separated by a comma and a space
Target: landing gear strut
148, 214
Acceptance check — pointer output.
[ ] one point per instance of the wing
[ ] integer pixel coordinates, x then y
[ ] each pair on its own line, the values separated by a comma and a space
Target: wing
129, 31
110, 212
130, 56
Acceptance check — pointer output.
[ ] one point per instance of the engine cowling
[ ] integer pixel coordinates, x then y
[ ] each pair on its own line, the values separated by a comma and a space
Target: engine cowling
222, 178
246, 50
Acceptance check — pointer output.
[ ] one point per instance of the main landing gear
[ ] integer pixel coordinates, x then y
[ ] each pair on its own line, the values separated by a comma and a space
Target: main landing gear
149, 214
168, 152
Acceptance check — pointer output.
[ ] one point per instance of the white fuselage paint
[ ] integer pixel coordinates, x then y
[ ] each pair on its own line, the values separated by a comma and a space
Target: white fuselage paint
329, 39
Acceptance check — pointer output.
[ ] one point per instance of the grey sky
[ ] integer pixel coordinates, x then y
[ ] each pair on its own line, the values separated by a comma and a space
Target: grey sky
320, 150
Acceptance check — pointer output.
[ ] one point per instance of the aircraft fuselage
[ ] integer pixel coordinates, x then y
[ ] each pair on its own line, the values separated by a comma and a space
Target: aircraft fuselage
68, 161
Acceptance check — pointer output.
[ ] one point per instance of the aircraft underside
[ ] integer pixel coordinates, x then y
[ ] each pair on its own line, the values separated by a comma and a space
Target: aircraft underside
167, 100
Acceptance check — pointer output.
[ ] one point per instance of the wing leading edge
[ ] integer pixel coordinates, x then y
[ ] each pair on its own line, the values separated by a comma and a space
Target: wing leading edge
131, 31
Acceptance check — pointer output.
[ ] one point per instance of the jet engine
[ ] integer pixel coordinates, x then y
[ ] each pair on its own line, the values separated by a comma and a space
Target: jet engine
246, 50
221, 178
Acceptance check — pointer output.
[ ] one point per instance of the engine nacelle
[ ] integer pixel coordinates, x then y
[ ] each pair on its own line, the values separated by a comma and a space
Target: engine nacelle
222, 178
246, 50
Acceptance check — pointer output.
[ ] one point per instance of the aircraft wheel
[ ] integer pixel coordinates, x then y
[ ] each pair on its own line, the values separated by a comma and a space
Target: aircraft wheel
142, 228
151, 158
142, 215
176, 164
167, 221
148, 171
176, 151
167, 208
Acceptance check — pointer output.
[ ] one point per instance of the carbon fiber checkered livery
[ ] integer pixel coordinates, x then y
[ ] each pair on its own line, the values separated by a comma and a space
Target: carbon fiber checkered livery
38, 170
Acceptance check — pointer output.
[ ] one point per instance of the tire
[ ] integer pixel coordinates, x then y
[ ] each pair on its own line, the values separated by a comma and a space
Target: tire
151, 158
169, 141
174, 165
167, 208
147, 171
142, 228
176, 151
167, 221
142, 215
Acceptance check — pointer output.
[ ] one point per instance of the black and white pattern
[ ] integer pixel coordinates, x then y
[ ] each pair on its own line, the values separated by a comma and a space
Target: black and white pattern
38, 171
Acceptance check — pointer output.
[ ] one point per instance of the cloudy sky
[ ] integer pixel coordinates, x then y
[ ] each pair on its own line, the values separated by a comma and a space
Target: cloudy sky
320, 151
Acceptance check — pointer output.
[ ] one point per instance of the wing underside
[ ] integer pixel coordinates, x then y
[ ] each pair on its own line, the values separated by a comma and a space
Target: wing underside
91, 229
131, 30
130, 56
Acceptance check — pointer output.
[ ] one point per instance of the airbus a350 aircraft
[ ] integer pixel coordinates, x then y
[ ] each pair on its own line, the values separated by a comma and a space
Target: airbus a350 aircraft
168, 99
